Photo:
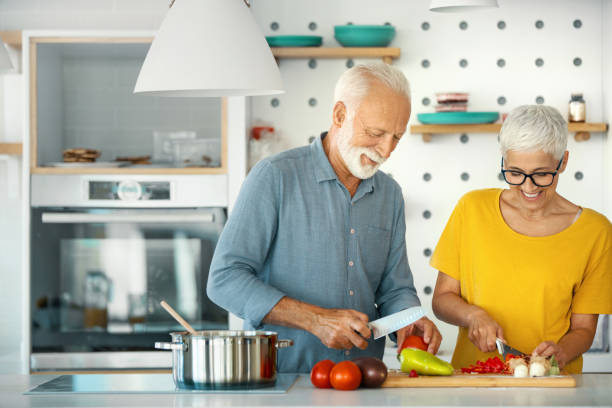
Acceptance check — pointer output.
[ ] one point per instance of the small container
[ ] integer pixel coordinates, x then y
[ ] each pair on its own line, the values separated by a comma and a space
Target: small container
577, 108
137, 308
97, 296
196, 152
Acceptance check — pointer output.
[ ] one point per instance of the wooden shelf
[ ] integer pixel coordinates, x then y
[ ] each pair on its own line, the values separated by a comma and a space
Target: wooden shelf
11, 148
582, 130
128, 170
12, 38
386, 53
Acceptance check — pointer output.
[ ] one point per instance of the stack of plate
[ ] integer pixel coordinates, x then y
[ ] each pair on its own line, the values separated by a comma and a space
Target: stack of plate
457, 118
294, 40
452, 102
452, 110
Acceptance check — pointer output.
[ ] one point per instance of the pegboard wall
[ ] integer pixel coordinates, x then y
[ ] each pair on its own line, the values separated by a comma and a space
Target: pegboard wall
525, 52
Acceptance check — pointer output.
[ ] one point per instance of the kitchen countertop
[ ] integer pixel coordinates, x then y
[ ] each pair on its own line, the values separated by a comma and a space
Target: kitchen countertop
592, 390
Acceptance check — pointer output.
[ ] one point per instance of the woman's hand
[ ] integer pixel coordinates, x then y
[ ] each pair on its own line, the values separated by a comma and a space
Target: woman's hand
483, 330
549, 348
449, 306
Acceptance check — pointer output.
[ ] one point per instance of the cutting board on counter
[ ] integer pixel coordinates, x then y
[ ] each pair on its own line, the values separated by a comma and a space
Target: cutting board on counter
398, 379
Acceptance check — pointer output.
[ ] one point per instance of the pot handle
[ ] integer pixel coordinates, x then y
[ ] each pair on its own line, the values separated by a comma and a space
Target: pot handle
170, 346
284, 343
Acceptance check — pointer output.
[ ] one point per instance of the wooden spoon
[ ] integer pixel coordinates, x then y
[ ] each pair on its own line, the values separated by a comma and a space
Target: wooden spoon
177, 317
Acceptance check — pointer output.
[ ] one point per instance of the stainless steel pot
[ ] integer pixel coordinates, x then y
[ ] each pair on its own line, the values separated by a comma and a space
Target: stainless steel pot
219, 359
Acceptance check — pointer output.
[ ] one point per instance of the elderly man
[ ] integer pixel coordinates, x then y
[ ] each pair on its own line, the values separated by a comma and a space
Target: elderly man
315, 246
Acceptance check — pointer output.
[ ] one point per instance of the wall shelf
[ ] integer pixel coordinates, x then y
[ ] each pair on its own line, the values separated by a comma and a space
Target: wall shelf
387, 54
128, 170
582, 131
11, 148
12, 38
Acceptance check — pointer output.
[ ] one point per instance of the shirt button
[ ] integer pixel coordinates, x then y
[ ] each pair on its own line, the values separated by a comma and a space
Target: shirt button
352, 231
351, 263
351, 292
347, 352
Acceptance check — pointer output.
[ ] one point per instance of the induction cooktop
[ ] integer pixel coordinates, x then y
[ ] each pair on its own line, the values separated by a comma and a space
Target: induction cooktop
141, 384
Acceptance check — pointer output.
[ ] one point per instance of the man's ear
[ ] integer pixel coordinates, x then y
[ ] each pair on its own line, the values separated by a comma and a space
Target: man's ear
339, 114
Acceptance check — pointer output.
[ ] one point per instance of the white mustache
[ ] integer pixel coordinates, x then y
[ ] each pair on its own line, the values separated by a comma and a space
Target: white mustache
372, 155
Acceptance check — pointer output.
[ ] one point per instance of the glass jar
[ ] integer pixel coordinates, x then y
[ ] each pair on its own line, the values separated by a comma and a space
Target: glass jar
97, 295
577, 108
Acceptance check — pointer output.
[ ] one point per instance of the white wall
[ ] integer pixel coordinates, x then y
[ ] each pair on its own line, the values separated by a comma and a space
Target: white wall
444, 44
606, 18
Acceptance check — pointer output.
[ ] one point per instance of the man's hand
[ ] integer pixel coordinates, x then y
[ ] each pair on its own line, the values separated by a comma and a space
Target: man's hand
424, 328
483, 330
342, 328
336, 328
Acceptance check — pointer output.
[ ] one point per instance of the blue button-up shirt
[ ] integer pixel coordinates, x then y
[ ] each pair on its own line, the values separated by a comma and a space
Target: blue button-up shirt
296, 231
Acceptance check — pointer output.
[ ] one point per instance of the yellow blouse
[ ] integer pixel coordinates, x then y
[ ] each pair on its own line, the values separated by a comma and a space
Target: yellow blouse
529, 285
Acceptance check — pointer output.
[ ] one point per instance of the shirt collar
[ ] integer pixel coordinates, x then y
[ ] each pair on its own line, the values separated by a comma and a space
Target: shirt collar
325, 172
323, 169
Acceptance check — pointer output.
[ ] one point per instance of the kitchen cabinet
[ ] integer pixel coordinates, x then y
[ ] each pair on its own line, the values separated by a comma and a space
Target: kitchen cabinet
80, 96
581, 131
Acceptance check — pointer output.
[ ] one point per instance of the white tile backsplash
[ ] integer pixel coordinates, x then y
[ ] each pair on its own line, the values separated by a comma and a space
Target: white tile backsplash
102, 112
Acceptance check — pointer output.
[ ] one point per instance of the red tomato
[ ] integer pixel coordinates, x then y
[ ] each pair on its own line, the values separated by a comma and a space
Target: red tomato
416, 342
319, 375
345, 376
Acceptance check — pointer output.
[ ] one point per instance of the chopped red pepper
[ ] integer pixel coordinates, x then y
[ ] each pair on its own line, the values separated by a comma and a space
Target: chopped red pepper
413, 373
492, 365
511, 356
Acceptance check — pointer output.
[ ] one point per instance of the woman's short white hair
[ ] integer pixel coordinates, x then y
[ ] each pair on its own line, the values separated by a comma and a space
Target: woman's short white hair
354, 83
534, 127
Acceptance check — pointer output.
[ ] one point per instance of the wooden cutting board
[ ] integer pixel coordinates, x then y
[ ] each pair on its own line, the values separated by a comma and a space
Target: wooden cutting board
398, 379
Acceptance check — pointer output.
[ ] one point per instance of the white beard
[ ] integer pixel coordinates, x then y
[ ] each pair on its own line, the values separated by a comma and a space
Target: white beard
352, 154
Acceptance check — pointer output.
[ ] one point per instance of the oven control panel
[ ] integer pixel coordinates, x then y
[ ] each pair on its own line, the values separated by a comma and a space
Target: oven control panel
129, 190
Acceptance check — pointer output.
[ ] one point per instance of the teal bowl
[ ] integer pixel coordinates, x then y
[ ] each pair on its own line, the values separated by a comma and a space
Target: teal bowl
364, 35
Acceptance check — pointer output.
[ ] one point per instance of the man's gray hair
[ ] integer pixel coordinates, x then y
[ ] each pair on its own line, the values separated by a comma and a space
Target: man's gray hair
532, 128
354, 83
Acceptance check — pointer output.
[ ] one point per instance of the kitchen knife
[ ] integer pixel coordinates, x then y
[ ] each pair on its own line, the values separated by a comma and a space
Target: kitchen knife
388, 324
505, 349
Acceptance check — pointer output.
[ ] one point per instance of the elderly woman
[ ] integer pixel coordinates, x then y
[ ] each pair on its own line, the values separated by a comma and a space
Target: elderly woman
524, 264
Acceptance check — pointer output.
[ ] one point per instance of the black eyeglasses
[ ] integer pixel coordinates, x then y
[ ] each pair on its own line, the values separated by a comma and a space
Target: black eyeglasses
540, 178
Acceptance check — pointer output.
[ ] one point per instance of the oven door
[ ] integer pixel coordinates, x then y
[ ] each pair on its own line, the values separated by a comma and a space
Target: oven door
98, 275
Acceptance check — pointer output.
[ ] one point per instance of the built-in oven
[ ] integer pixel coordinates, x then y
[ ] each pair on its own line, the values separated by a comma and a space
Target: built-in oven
104, 252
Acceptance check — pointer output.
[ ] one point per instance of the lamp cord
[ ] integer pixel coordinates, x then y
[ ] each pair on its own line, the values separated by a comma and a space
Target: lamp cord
247, 2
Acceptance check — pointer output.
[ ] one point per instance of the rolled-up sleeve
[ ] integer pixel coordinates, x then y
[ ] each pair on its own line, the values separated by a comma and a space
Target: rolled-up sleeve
237, 280
396, 290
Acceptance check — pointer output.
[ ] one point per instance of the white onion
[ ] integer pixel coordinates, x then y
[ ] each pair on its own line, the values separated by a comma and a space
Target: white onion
521, 371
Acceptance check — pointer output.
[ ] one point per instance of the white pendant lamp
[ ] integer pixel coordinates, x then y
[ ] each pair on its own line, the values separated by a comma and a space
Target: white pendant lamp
5, 60
455, 6
207, 48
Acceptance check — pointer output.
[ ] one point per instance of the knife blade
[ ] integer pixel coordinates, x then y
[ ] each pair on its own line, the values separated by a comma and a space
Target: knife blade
395, 321
505, 349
